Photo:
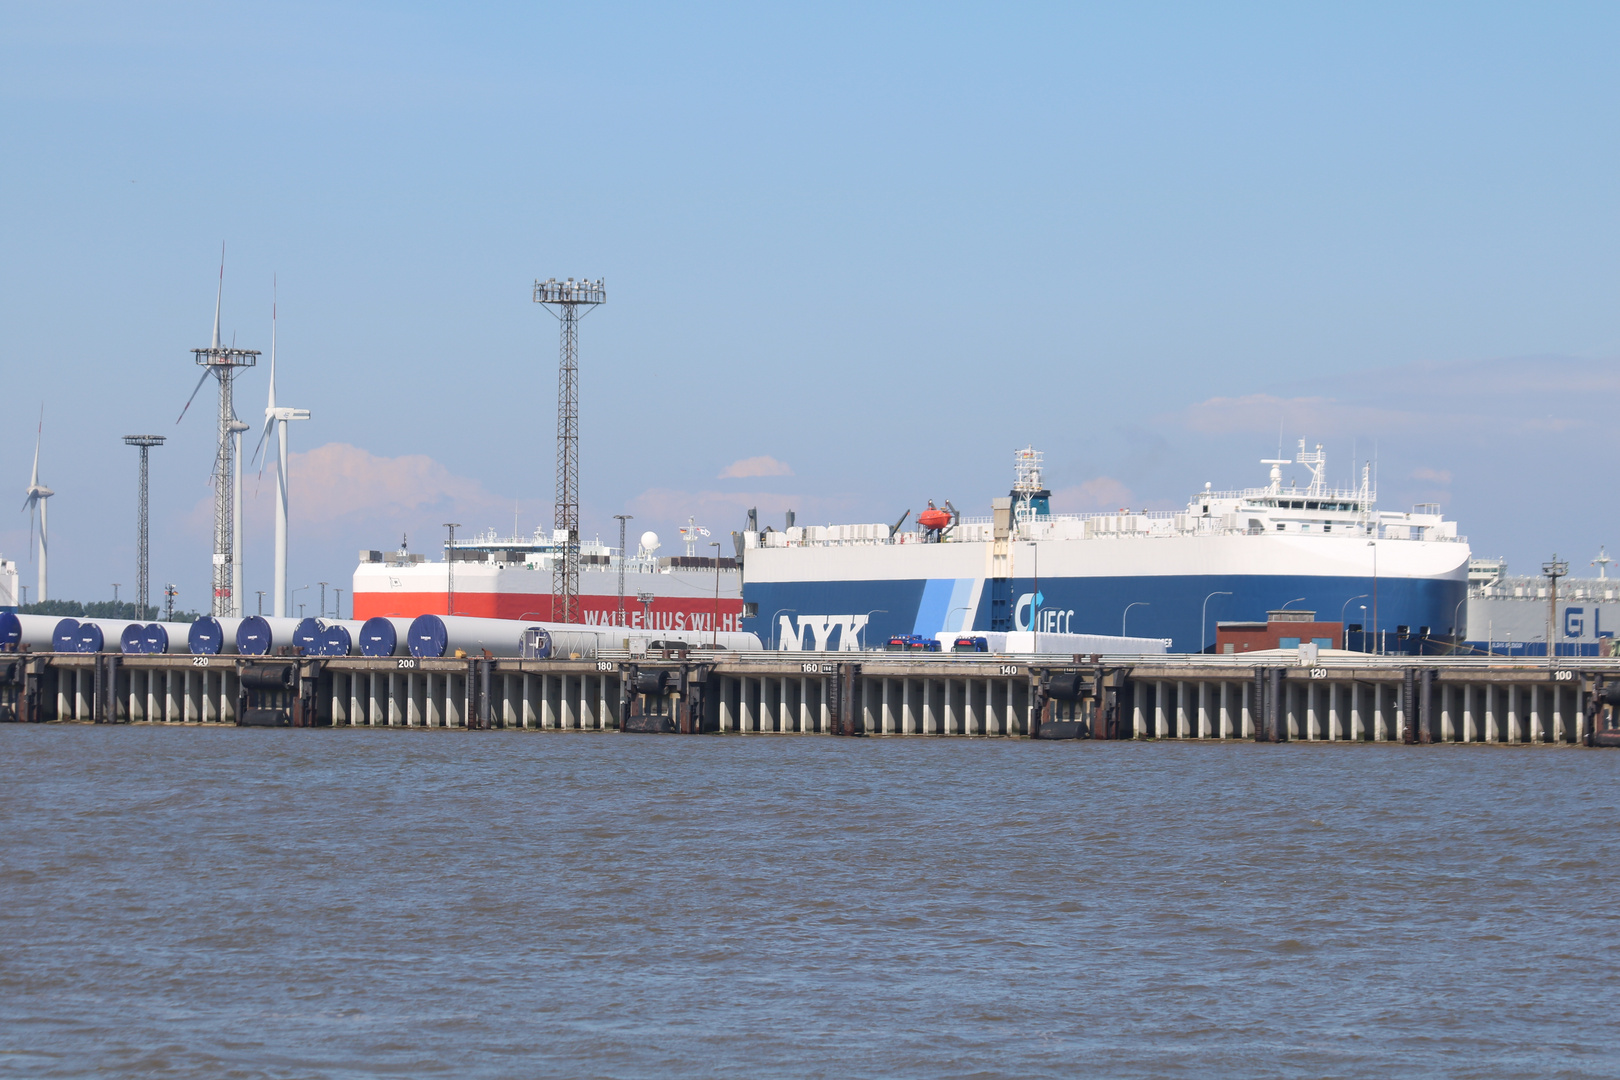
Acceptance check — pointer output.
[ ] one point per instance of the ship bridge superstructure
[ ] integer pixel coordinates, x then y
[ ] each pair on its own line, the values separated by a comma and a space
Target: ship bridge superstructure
1279, 508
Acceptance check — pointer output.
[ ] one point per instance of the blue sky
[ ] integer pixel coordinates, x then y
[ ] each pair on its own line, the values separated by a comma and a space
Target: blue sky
879, 246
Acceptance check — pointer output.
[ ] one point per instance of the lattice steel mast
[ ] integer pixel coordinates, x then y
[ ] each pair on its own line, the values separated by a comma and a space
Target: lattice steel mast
567, 297
222, 362
622, 518
142, 566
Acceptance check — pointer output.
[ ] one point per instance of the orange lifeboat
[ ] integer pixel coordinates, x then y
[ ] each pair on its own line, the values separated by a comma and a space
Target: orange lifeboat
933, 519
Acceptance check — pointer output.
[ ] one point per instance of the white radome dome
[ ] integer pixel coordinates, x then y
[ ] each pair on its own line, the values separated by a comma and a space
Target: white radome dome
649, 541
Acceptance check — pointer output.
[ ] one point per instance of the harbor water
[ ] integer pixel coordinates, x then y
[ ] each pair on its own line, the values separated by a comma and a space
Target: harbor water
183, 902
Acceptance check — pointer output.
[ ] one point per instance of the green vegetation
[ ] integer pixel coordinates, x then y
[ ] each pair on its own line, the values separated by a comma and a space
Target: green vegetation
102, 609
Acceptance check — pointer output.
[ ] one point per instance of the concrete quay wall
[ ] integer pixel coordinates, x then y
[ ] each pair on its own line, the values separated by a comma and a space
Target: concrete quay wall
1367, 699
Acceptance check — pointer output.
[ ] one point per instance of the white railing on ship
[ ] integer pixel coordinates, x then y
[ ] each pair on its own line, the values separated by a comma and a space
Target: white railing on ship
1286, 659
1162, 517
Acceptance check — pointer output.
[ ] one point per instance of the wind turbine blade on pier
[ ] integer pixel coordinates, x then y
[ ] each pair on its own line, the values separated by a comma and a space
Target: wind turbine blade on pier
206, 372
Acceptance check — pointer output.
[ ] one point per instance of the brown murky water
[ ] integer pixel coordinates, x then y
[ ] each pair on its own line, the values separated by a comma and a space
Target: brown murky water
250, 903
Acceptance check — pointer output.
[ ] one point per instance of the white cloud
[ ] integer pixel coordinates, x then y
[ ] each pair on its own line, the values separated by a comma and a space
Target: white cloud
337, 487
755, 466
1325, 417
723, 511
1439, 476
1321, 416
1102, 493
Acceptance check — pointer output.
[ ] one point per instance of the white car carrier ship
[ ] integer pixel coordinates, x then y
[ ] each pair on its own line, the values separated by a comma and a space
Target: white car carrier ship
494, 577
1398, 580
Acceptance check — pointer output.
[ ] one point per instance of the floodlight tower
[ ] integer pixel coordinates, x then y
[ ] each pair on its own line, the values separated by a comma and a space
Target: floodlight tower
145, 442
567, 298
1554, 569
622, 518
222, 362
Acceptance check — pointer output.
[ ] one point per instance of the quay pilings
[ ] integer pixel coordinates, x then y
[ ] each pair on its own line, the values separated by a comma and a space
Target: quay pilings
1364, 699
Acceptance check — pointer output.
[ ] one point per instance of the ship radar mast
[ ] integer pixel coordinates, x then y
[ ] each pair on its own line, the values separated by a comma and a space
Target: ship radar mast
1602, 563
1276, 473
1030, 498
690, 533
1027, 470
1316, 461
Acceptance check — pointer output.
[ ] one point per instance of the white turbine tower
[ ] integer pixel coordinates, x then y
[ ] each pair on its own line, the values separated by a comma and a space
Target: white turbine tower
237, 593
37, 494
275, 415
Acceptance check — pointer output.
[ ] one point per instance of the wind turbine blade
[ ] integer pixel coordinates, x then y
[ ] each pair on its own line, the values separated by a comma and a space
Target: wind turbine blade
193, 396
272, 343
263, 435
38, 432
219, 295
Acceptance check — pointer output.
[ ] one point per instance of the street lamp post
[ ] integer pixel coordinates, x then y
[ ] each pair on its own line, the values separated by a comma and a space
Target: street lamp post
777, 633
860, 635
450, 572
1378, 640
294, 599
1204, 616
1456, 616
714, 635
1343, 633
1127, 611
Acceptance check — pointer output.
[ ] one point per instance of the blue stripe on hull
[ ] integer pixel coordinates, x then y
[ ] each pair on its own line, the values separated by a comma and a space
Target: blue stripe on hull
1173, 605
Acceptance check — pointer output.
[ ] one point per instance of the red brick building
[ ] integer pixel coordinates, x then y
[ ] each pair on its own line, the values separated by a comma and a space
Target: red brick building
1281, 630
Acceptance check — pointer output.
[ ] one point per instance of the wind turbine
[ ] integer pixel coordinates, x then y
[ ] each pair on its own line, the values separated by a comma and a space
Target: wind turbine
274, 415
222, 362
37, 494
